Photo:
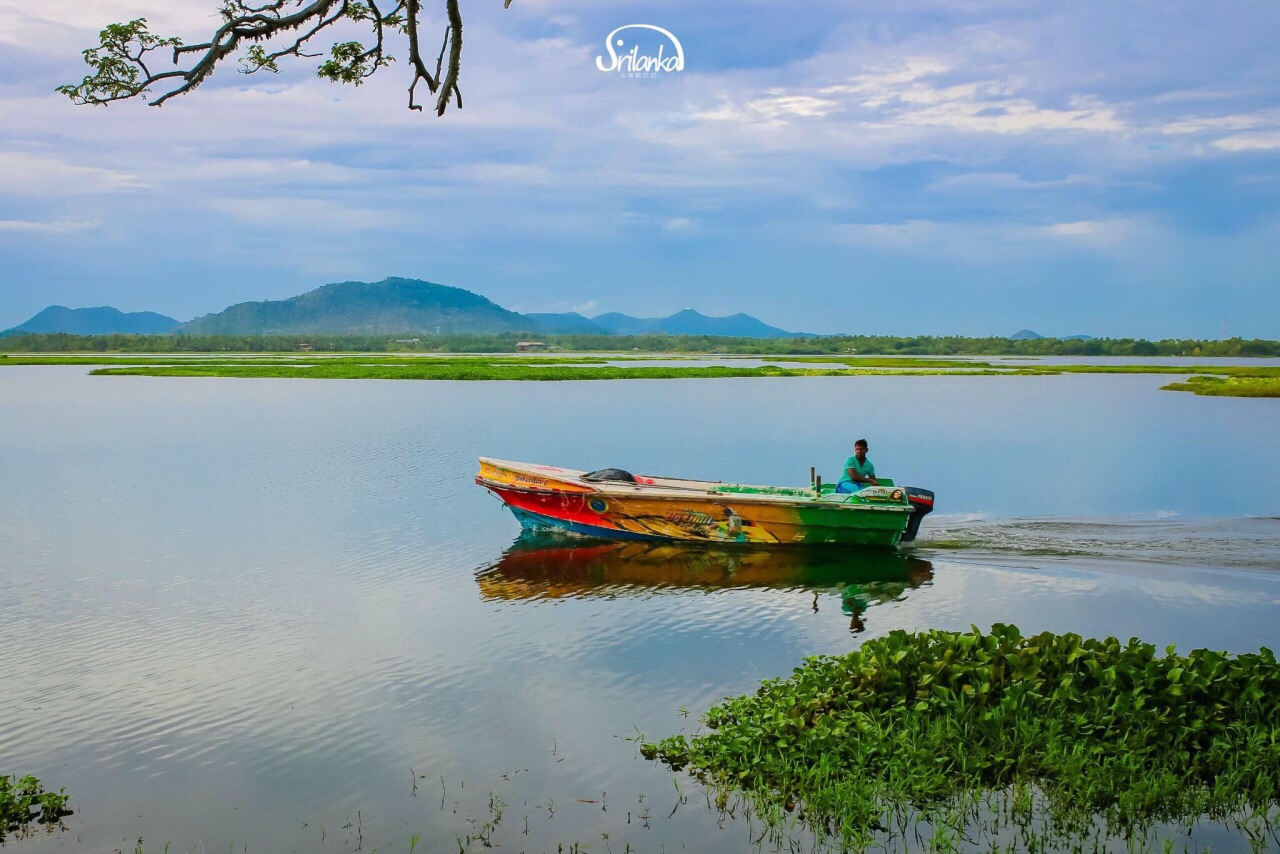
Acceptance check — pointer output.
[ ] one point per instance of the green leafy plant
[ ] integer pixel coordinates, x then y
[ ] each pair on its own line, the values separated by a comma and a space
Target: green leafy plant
1064, 731
24, 801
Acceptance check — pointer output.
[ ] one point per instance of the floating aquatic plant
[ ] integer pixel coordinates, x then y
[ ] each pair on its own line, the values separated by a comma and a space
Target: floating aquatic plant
24, 801
1066, 731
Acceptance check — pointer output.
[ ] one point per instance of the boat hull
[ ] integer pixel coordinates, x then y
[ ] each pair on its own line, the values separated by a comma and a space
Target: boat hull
546, 498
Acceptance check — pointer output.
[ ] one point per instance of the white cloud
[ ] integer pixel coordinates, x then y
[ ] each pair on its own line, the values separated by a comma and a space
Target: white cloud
73, 27
1097, 232
260, 171
1199, 124
965, 108
1250, 141
29, 174
60, 226
505, 174
987, 239
780, 106
1006, 181
900, 235
310, 215
879, 85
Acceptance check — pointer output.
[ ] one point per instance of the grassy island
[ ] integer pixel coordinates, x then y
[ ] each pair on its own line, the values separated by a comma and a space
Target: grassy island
1230, 386
540, 369
1209, 380
1032, 741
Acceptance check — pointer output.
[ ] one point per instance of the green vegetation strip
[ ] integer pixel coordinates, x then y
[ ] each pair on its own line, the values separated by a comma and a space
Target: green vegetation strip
1214, 380
24, 801
438, 369
953, 726
509, 342
1221, 370
294, 359
1233, 386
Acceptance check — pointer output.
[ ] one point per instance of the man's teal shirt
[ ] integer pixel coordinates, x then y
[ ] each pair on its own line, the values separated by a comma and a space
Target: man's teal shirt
866, 469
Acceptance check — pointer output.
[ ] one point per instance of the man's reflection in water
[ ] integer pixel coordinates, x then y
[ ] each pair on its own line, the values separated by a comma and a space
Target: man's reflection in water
853, 601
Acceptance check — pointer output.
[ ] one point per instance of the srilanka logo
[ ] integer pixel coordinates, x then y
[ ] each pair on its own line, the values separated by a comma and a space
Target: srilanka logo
633, 63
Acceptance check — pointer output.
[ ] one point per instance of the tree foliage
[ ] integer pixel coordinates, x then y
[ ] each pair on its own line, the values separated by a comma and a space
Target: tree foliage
506, 342
130, 60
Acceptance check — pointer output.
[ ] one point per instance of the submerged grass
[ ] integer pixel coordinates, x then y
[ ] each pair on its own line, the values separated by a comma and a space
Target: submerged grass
1046, 734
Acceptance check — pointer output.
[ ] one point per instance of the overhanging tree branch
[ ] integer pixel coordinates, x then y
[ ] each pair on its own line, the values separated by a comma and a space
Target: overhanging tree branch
121, 64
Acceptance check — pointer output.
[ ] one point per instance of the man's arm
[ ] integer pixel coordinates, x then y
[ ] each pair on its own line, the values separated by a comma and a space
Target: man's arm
859, 478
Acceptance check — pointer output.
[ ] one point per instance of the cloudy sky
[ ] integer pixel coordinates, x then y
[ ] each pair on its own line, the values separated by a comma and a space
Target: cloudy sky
900, 167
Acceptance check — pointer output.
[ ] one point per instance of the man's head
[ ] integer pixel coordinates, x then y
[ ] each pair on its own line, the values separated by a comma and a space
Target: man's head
860, 449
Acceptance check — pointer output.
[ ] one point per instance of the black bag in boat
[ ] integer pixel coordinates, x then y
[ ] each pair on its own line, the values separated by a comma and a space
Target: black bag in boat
616, 475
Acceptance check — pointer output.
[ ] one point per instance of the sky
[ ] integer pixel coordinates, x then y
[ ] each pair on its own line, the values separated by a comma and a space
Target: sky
948, 167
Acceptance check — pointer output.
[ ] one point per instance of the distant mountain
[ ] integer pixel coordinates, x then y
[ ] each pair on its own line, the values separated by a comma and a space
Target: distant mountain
690, 322
103, 320
394, 306
391, 306
1027, 334
569, 323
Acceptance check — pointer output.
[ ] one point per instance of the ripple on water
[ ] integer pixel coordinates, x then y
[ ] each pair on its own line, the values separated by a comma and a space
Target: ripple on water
261, 603
1246, 543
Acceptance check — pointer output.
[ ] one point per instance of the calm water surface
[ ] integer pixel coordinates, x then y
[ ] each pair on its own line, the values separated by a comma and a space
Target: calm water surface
279, 614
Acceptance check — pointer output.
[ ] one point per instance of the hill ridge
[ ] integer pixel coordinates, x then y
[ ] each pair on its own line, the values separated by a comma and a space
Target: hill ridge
395, 305
95, 320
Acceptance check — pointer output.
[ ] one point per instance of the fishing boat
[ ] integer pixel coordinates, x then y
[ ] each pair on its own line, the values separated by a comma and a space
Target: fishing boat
616, 504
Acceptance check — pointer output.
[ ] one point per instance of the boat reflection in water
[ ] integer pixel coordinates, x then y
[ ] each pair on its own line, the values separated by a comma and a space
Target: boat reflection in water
540, 566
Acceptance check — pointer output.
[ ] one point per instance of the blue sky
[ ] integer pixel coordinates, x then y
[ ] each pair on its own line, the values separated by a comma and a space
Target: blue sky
941, 167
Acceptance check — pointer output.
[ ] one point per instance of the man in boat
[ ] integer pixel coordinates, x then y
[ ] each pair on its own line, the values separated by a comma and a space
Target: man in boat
858, 470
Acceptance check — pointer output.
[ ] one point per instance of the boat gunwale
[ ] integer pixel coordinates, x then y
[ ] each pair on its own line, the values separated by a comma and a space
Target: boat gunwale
641, 491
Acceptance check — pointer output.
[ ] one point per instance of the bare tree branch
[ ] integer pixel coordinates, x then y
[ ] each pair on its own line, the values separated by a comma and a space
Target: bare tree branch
121, 68
449, 86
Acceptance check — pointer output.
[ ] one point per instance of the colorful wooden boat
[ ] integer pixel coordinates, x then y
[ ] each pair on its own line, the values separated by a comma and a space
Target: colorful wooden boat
615, 504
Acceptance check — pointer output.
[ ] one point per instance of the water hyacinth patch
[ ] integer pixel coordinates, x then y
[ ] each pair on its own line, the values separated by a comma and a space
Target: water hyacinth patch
1069, 733
24, 801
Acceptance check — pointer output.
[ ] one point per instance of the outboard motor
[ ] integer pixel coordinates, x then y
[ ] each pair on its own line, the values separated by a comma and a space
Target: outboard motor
921, 506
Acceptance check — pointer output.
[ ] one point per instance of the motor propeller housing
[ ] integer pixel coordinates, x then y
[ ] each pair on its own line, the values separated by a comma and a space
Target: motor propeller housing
921, 506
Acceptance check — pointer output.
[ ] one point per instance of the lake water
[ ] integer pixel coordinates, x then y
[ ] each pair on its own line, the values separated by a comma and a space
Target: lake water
278, 615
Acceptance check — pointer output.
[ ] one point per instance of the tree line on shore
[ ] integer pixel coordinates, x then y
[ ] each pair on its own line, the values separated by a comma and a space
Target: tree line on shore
835, 345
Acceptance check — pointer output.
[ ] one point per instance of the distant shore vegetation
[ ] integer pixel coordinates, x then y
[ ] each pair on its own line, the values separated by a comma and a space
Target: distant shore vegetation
475, 358
871, 345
